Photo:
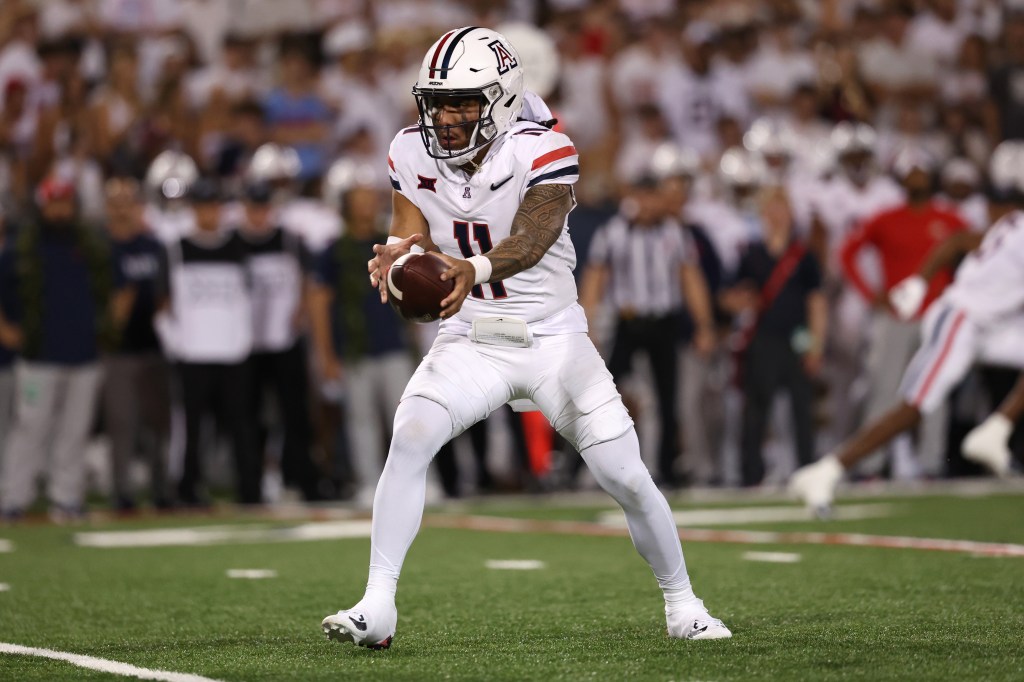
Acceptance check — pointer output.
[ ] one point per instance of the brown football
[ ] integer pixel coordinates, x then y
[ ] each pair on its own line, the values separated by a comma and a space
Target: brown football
415, 288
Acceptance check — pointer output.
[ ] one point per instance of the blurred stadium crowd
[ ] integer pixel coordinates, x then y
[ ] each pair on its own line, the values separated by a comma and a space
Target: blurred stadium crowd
185, 160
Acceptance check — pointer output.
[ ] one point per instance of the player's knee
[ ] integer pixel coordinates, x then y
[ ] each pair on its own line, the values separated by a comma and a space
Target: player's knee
421, 427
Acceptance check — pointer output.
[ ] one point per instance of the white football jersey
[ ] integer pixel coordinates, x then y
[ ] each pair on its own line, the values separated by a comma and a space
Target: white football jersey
990, 282
468, 215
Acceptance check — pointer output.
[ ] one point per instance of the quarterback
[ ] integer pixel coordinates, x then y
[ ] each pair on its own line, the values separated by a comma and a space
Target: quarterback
491, 193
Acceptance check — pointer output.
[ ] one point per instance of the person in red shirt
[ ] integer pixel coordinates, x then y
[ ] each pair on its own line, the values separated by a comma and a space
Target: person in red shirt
901, 237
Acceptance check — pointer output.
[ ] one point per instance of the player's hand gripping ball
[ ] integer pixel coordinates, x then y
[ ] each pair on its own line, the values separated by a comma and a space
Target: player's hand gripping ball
415, 289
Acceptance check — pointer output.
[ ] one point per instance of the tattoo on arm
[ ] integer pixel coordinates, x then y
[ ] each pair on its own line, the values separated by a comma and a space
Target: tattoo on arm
536, 226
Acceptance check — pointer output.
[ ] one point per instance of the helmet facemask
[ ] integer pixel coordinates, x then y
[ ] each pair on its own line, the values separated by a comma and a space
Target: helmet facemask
479, 132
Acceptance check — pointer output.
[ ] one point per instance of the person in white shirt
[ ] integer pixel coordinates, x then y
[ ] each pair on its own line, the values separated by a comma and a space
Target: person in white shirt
491, 195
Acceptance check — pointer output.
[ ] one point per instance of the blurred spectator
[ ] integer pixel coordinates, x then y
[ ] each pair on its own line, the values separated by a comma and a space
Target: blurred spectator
205, 325
962, 193
244, 134
363, 356
6, 351
277, 266
701, 397
1005, 78
297, 114
116, 107
778, 292
136, 386
352, 85
19, 59
644, 263
695, 97
59, 307
779, 66
902, 237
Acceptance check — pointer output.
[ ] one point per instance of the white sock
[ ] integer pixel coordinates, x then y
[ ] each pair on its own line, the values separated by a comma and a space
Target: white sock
421, 427
618, 468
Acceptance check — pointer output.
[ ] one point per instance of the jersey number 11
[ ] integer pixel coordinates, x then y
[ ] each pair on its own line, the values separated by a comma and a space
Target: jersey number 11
482, 236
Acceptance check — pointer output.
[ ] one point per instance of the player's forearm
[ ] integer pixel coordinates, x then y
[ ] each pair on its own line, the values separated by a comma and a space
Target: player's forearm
817, 319
944, 255
535, 228
695, 293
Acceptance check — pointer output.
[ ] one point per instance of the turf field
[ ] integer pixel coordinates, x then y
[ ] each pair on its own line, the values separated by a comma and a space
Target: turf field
590, 612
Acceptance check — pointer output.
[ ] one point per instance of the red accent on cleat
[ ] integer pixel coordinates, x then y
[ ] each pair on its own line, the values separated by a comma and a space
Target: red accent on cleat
380, 645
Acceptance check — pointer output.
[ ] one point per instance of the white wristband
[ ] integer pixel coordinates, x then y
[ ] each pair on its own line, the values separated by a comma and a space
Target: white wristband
415, 248
483, 266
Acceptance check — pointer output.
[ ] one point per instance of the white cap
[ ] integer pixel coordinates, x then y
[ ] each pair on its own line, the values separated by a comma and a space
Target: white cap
911, 158
961, 170
347, 37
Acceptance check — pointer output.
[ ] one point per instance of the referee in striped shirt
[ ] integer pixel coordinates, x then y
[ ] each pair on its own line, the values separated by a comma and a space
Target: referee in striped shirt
643, 264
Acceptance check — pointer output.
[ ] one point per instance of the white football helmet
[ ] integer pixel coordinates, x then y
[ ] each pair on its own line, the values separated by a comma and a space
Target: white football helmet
170, 175
273, 162
854, 147
672, 161
1006, 168
469, 62
542, 63
768, 138
739, 168
344, 175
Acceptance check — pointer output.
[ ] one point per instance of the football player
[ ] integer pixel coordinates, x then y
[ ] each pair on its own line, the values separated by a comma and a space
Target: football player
491, 194
979, 318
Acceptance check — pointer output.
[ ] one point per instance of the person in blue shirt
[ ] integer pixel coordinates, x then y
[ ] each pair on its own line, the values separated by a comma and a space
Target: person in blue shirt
136, 385
296, 114
360, 344
61, 304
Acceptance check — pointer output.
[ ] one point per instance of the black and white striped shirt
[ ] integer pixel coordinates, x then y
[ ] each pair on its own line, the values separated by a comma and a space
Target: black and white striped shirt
644, 264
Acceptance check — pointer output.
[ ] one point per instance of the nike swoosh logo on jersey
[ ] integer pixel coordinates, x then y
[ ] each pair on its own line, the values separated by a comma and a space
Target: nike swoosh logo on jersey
496, 185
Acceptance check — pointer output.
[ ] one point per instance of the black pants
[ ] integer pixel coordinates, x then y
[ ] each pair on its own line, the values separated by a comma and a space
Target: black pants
285, 374
657, 337
223, 391
769, 364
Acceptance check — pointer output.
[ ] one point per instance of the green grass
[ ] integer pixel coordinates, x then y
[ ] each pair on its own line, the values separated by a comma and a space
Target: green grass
594, 612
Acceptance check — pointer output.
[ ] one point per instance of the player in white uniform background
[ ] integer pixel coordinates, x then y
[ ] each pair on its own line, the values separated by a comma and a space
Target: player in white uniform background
491, 194
978, 319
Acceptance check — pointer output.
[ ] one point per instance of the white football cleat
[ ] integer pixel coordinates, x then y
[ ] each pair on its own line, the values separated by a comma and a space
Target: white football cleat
816, 484
695, 623
370, 623
988, 444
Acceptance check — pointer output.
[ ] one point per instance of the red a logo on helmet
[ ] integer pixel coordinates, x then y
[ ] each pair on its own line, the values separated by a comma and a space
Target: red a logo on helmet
505, 59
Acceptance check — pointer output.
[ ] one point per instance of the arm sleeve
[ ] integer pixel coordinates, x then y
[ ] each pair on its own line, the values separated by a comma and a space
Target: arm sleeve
848, 257
553, 161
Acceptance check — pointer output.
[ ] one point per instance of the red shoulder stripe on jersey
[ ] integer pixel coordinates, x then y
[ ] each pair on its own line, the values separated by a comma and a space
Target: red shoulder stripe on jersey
391, 164
555, 155
437, 52
413, 129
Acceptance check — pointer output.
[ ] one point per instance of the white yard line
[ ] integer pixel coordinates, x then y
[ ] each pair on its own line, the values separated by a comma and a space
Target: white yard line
251, 573
6, 546
772, 557
222, 535
102, 664
696, 518
514, 564
5, 587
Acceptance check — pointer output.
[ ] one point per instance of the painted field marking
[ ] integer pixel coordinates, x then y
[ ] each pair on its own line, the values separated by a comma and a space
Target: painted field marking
222, 535
744, 537
514, 564
772, 557
102, 664
251, 573
6, 546
744, 515
5, 587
